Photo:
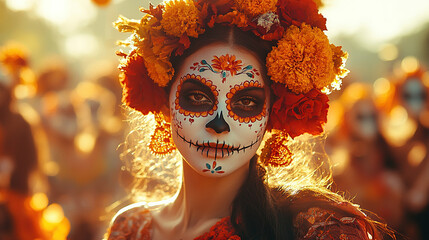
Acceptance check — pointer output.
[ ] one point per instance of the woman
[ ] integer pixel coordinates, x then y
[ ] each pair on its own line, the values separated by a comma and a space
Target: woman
217, 75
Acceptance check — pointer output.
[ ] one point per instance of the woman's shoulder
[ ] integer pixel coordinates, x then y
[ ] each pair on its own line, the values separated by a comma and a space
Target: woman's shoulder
318, 215
333, 222
131, 222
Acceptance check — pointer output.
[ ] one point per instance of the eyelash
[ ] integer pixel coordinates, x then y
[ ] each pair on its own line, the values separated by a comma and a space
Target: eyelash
191, 97
246, 107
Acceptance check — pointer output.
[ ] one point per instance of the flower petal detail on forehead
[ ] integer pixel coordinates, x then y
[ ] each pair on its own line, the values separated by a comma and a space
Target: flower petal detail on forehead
227, 63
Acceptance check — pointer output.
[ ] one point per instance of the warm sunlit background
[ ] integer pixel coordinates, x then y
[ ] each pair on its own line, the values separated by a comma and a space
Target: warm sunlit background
70, 45
81, 31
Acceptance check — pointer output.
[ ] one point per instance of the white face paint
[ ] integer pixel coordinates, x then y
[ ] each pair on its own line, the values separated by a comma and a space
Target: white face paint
414, 95
364, 120
219, 109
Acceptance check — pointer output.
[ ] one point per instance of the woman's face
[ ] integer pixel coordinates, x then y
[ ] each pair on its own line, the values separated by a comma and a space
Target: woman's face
414, 96
219, 109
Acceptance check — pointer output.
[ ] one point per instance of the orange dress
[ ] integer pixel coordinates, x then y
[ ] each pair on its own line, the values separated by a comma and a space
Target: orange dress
314, 223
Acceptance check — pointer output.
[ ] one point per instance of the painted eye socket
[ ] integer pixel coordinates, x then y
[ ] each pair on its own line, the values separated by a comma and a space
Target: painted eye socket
196, 96
246, 102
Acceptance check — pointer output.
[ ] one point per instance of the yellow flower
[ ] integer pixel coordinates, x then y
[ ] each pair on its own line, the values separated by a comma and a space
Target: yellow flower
254, 8
181, 16
157, 61
151, 43
339, 57
302, 60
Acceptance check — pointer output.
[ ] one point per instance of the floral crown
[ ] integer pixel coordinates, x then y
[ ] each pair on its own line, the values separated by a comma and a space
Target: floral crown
303, 66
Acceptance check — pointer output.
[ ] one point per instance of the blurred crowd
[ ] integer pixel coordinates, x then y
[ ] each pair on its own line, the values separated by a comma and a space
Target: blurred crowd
60, 170
58, 161
378, 141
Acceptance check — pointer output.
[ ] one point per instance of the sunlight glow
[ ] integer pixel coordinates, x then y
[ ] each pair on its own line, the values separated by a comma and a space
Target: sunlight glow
375, 21
81, 45
20, 5
68, 16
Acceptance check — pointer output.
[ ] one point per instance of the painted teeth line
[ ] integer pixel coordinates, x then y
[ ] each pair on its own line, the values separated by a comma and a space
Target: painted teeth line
229, 150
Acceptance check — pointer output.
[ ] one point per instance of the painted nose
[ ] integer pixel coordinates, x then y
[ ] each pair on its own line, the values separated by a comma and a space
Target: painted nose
218, 124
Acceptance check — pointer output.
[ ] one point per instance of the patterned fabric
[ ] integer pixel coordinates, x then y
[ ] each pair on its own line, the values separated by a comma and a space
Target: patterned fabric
313, 224
221, 230
323, 224
136, 224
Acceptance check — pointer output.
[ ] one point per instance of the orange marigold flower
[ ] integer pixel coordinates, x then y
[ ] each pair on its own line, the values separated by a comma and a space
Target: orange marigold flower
156, 49
227, 63
254, 8
233, 18
302, 60
339, 57
161, 71
181, 16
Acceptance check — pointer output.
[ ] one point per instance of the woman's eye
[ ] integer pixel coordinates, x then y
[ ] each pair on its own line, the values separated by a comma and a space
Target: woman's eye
198, 98
246, 103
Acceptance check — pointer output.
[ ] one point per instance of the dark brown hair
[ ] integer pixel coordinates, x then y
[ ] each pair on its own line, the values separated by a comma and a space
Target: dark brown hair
258, 211
254, 214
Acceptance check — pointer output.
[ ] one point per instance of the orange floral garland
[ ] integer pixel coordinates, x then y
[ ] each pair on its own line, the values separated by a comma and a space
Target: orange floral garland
302, 66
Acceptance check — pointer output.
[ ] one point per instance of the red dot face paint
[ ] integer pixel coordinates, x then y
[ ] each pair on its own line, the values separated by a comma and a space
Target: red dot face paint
220, 100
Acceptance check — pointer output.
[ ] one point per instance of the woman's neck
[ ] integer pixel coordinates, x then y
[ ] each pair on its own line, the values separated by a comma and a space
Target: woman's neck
202, 200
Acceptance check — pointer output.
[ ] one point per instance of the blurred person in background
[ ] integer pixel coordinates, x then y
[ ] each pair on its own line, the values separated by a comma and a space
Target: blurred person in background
405, 126
45, 219
21, 217
360, 155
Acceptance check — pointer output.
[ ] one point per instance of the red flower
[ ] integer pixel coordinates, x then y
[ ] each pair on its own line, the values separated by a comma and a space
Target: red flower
295, 12
221, 230
298, 113
139, 91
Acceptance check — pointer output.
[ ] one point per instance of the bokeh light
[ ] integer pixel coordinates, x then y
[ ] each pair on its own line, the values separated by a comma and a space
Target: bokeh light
388, 52
410, 64
39, 201
381, 86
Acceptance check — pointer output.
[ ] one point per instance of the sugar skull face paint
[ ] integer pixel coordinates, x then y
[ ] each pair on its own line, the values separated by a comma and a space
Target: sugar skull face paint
218, 107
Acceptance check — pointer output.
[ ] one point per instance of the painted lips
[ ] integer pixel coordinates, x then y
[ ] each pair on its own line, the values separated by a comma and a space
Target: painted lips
216, 149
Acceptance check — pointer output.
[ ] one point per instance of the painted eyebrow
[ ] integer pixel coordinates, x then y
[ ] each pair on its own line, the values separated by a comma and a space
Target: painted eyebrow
195, 81
197, 84
246, 90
